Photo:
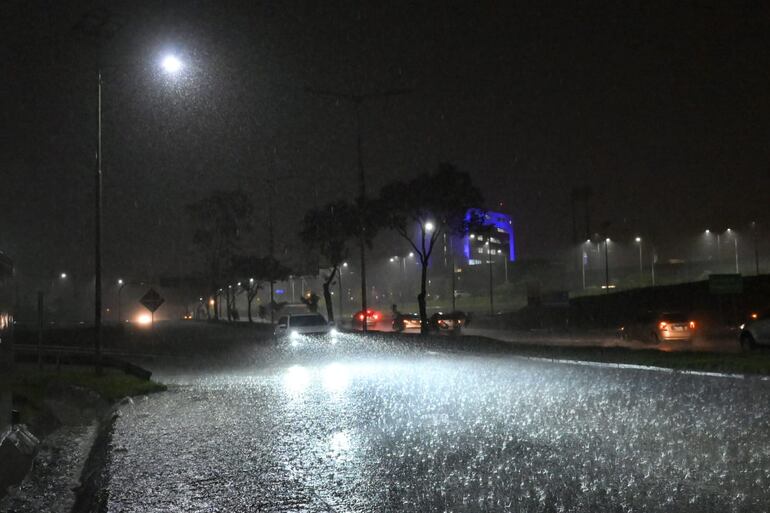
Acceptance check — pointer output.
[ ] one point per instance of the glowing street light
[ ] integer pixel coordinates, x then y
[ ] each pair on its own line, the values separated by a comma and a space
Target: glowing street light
120, 281
171, 64
63, 276
429, 226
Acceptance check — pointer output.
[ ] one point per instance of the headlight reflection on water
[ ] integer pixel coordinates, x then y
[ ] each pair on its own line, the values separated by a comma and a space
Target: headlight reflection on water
334, 378
296, 379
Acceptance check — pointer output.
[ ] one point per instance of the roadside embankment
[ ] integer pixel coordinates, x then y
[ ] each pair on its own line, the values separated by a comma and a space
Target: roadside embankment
57, 415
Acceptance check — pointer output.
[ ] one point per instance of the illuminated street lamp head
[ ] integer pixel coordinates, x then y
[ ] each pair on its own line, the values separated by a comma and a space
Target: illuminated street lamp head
607, 239
708, 231
63, 276
429, 226
729, 230
120, 281
391, 259
411, 254
171, 64
638, 239
344, 264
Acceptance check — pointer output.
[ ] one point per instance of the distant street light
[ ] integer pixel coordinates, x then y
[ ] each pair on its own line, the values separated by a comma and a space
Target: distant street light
641, 267
63, 276
121, 284
429, 226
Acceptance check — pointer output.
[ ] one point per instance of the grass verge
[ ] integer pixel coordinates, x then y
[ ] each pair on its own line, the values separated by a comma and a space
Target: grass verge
31, 384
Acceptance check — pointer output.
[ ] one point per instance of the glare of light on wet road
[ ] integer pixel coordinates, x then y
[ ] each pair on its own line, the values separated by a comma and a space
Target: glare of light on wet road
296, 379
335, 378
340, 441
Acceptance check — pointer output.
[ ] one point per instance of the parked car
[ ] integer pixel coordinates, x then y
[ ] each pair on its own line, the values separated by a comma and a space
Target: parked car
756, 331
406, 321
296, 325
659, 327
452, 321
372, 318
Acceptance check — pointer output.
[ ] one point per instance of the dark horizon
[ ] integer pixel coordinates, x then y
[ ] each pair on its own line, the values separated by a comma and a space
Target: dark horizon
663, 111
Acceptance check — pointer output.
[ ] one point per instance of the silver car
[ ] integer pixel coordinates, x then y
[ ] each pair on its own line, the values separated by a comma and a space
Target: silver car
756, 331
295, 326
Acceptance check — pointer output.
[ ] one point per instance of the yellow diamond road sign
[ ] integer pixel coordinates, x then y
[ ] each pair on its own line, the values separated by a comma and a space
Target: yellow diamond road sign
152, 300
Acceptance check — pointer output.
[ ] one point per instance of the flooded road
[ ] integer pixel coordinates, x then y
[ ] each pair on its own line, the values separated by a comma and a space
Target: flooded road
300, 429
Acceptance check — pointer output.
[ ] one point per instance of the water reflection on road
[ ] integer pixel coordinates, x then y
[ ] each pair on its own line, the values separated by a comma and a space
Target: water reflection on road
442, 432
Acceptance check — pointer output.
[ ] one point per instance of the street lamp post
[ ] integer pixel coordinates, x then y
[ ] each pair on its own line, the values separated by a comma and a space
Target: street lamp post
641, 267
606, 265
735, 245
339, 283
98, 228
491, 289
121, 284
756, 248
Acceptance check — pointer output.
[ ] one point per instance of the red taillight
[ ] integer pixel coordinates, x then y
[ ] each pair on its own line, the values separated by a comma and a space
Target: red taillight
663, 325
376, 316
754, 316
360, 317
692, 325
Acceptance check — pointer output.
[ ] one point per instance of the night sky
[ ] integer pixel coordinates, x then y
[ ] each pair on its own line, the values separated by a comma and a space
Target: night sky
662, 108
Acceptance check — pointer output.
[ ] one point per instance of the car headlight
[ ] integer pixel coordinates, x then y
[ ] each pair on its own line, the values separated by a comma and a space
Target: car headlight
333, 332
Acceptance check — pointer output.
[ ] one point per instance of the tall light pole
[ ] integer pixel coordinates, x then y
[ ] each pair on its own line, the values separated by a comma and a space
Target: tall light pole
638, 240
98, 227
756, 247
735, 245
339, 282
357, 100
491, 288
584, 261
606, 265
121, 284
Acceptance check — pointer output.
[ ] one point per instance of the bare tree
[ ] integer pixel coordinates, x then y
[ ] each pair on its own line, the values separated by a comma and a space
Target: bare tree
421, 210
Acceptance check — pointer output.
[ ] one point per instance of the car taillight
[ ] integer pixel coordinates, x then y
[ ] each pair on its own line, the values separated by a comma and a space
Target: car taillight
663, 325
360, 317
692, 325
754, 316
376, 316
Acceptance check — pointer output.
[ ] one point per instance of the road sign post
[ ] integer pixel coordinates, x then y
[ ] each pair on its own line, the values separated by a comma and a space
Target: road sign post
152, 301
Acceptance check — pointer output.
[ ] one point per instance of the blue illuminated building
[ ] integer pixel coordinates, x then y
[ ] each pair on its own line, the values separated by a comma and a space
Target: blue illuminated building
493, 240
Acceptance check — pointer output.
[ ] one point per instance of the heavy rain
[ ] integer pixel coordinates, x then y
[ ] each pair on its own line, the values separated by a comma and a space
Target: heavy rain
398, 256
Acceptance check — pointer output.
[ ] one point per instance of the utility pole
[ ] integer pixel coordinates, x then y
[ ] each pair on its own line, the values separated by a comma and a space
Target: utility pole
357, 100
756, 248
454, 285
98, 25
339, 284
491, 289
606, 265
98, 228
271, 244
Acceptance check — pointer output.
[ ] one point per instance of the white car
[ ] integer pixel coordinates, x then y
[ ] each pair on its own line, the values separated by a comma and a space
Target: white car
297, 325
756, 331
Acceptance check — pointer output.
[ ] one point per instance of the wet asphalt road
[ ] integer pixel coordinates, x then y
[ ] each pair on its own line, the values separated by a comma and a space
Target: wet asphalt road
377, 426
